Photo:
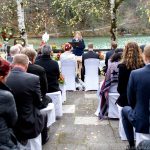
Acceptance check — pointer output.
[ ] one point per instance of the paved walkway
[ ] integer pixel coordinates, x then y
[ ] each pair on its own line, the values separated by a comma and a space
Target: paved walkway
80, 129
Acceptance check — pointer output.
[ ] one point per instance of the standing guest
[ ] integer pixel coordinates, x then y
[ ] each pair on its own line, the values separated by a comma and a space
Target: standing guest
27, 94
89, 54
13, 51
138, 92
39, 71
78, 44
67, 55
110, 53
51, 67
131, 59
8, 113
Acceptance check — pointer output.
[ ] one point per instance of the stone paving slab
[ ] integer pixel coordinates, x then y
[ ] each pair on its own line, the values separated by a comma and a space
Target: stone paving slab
82, 130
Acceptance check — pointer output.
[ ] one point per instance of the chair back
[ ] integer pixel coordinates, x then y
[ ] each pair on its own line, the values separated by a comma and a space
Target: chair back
91, 74
68, 69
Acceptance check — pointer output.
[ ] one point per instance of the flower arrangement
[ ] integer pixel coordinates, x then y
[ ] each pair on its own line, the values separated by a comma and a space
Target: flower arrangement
54, 46
7, 33
57, 57
101, 55
61, 79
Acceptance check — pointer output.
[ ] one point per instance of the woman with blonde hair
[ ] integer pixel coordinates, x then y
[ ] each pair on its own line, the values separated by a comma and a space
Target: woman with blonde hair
78, 44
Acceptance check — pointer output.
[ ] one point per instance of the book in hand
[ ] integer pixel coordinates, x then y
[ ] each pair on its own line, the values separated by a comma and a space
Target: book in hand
75, 43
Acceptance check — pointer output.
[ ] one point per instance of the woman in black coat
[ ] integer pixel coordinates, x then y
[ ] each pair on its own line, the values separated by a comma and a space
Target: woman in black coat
131, 59
78, 44
8, 113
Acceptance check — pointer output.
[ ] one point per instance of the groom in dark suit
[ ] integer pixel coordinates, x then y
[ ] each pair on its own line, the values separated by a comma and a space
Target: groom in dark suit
138, 92
89, 54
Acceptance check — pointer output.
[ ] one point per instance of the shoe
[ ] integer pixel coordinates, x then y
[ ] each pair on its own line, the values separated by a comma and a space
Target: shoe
130, 148
46, 140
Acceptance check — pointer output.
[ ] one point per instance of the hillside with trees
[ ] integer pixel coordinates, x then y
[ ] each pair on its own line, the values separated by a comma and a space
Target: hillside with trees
62, 17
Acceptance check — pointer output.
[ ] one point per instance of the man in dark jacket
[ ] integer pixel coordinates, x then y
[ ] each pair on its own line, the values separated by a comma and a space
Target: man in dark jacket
39, 71
89, 54
27, 94
110, 53
138, 92
51, 67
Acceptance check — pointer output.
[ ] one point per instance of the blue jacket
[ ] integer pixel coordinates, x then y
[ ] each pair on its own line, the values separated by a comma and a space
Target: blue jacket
78, 48
138, 93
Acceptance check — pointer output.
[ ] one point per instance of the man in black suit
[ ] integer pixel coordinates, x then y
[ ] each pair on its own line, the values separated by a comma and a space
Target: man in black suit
27, 94
39, 71
110, 53
51, 67
138, 92
89, 54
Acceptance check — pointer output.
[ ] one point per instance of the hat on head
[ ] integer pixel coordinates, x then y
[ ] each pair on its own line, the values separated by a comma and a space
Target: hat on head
67, 46
46, 49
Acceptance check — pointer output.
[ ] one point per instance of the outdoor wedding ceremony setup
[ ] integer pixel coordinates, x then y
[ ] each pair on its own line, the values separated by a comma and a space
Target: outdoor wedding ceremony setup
74, 75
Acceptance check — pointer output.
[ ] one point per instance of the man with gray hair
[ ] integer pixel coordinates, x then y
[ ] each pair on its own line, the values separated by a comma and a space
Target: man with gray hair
27, 94
51, 67
13, 51
39, 71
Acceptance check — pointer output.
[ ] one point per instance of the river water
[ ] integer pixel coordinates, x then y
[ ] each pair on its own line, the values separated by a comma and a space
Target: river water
99, 42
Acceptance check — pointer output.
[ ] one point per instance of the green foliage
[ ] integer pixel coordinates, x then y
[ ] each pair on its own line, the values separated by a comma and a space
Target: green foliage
75, 12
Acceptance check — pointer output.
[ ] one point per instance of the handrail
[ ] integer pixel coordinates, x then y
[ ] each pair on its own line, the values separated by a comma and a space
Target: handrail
85, 50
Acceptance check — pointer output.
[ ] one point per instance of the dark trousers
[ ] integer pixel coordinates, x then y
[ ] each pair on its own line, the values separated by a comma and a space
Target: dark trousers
128, 122
45, 130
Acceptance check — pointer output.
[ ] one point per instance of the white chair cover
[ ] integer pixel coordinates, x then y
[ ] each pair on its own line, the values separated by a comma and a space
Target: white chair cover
33, 144
102, 64
99, 98
91, 77
113, 110
121, 129
140, 137
68, 69
63, 90
57, 101
50, 111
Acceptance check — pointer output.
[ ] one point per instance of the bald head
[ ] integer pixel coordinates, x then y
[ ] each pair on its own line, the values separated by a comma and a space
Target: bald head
90, 46
113, 44
146, 53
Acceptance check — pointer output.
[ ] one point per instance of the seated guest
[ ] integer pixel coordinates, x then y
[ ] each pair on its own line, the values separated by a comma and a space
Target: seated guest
51, 67
13, 51
67, 55
27, 94
8, 113
39, 71
110, 53
110, 83
128, 63
138, 92
89, 54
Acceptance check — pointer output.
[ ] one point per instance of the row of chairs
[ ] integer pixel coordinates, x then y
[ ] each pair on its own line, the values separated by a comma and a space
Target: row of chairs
114, 111
53, 110
68, 69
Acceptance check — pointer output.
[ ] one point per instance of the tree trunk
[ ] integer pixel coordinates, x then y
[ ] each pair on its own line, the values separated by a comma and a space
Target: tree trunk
21, 23
114, 4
